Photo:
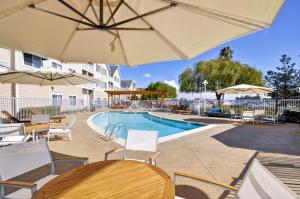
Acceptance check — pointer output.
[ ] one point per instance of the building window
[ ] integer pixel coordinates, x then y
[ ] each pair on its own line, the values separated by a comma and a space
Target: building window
33, 60
56, 99
72, 100
101, 84
98, 68
110, 85
71, 70
116, 79
56, 66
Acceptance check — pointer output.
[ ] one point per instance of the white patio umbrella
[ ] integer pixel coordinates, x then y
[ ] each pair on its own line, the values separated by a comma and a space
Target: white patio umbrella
129, 32
245, 89
45, 78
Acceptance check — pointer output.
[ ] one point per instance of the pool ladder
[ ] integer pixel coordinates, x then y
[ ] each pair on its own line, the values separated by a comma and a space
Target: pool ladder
113, 134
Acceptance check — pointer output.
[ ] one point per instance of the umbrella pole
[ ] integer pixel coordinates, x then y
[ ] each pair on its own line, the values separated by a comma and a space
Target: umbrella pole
13, 85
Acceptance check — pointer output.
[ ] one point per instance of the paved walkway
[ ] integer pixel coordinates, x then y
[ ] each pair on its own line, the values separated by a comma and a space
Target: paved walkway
220, 153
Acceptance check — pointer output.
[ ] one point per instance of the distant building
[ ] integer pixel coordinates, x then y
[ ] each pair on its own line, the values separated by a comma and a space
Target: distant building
108, 78
128, 85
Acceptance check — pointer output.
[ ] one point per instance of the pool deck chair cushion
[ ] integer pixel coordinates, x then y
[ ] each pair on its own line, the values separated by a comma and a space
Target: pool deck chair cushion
140, 140
258, 183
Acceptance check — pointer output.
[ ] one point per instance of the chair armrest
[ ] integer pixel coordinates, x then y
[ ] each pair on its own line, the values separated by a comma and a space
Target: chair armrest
27, 185
112, 151
154, 156
206, 180
83, 159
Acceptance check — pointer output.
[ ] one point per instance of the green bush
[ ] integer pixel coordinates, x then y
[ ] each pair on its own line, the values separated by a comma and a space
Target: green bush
49, 110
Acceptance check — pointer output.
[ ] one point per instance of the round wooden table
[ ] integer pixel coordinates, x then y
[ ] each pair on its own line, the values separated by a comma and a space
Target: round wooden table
110, 179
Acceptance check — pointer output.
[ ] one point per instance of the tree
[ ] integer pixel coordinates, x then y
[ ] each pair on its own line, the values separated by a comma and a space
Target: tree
226, 53
160, 86
285, 81
219, 73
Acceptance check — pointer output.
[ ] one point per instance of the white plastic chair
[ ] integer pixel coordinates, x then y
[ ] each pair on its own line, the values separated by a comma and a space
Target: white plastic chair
258, 115
63, 130
22, 158
139, 140
13, 134
233, 114
40, 119
258, 183
248, 116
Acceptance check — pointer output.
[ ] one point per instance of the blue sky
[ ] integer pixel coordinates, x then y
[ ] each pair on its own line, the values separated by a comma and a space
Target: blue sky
261, 50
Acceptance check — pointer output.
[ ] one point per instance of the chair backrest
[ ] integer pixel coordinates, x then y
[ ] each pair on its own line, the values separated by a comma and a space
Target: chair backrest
259, 112
248, 114
40, 119
232, 112
20, 158
12, 129
139, 140
72, 122
10, 116
259, 183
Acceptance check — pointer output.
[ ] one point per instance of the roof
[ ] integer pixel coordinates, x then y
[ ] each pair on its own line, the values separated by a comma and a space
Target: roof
126, 83
113, 69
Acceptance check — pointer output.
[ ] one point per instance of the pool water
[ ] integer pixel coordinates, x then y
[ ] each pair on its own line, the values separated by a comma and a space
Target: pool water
143, 121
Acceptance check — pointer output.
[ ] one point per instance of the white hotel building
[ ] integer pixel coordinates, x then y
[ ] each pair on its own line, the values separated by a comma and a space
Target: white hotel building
109, 78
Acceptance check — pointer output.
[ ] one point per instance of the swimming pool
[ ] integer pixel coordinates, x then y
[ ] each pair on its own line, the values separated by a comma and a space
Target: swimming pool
143, 121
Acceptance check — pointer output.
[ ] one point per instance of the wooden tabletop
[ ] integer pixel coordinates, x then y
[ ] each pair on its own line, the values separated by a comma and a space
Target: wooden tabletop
36, 127
117, 179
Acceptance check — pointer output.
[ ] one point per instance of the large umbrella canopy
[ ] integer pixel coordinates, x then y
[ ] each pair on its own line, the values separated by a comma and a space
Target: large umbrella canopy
245, 89
129, 32
46, 78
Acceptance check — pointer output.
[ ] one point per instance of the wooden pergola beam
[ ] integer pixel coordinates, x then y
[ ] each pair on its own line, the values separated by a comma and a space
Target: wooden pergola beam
162, 94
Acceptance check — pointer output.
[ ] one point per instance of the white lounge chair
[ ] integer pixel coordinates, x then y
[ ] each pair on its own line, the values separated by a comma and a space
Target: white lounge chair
258, 183
272, 119
62, 130
248, 116
138, 140
259, 115
13, 134
233, 114
22, 158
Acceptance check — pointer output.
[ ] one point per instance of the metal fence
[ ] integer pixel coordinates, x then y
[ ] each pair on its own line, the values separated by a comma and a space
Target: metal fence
201, 107
22, 108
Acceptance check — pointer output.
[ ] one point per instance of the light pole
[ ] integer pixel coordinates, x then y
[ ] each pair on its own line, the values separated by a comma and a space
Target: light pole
205, 82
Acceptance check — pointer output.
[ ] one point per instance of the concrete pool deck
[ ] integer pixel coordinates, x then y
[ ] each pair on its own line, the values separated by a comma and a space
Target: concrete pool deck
220, 153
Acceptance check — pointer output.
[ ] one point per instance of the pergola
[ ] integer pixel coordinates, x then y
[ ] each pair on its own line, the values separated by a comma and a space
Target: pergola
112, 94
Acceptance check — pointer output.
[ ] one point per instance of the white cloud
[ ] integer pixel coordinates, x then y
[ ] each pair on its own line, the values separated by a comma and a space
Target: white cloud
172, 83
147, 75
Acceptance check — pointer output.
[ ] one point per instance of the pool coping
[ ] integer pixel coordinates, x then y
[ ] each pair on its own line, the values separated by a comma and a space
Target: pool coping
121, 141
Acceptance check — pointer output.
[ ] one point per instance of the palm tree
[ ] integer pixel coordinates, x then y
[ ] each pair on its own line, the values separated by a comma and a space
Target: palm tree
226, 53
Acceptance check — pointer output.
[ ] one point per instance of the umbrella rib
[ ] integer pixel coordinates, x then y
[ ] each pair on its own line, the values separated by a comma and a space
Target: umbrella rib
77, 12
21, 75
118, 36
62, 16
17, 9
64, 78
219, 14
172, 45
72, 34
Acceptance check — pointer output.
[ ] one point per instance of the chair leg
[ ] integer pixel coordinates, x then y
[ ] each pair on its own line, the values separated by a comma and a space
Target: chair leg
48, 135
70, 136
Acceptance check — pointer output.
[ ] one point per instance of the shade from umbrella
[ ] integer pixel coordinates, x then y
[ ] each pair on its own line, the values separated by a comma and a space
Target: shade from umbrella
245, 89
129, 32
45, 78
